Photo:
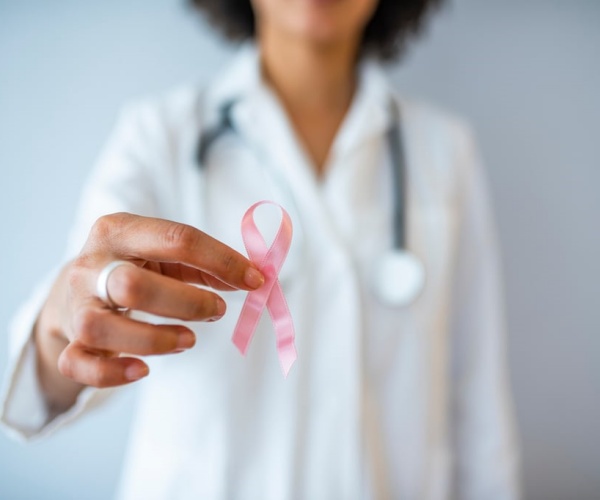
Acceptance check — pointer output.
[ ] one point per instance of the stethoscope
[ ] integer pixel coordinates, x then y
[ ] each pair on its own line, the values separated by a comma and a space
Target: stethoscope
399, 275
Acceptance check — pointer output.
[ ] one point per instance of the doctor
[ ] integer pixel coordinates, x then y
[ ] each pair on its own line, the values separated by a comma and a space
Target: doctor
407, 401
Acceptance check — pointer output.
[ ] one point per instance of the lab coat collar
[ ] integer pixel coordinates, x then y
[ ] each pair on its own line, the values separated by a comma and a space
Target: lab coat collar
240, 80
369, 114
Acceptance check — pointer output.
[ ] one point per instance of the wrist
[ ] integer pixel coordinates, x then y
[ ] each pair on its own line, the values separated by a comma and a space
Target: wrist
59, 392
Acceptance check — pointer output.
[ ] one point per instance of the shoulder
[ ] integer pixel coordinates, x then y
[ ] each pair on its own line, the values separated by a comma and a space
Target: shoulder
159, 132
167, 112
442, 146
439, 125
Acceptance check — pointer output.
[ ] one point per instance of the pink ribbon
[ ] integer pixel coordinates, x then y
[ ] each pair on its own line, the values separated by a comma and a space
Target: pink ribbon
269, 261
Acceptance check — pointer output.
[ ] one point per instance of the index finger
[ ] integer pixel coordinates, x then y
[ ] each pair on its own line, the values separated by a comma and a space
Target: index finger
136, 237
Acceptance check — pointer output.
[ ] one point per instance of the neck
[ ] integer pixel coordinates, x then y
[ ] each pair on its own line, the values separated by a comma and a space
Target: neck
314, 82
307, 75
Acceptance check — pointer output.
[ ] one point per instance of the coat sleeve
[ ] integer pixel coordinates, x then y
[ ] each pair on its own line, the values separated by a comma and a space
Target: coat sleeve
484, 433
121, 181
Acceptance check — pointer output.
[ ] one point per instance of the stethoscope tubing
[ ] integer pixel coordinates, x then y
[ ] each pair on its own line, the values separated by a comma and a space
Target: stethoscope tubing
400, 275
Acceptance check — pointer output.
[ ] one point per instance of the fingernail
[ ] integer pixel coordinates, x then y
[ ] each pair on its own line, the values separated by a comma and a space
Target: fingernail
221, 308
136, 372
185, 340
254, 278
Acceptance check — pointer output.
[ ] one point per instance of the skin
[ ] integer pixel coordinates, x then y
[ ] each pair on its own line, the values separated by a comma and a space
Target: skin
322, 38
80, 341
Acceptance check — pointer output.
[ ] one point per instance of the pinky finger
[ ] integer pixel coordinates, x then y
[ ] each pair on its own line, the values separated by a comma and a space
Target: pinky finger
95, 369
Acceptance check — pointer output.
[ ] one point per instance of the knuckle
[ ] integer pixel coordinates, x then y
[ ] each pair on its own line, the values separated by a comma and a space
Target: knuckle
126, 286
206, 307
163, 340
198, 306
75, 273
107, 225
166, 343
228, 262
101, 375
65, 364
180, 236
102, 227
191, 313
86, 326
158, 343
195, 309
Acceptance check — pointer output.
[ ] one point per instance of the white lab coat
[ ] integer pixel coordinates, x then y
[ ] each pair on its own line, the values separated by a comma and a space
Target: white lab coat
402, 403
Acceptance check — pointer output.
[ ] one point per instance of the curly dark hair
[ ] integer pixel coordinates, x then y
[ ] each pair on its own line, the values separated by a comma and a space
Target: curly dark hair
386, 35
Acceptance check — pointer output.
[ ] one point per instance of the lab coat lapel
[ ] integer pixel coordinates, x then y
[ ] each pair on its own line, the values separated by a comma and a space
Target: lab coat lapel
330, 363
335, 364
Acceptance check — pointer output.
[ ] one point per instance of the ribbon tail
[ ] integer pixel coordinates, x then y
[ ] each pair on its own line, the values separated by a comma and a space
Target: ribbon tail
249, 318
284, 328
287, 358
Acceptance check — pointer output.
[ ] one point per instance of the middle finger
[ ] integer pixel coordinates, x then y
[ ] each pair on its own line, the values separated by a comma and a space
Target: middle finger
145, 290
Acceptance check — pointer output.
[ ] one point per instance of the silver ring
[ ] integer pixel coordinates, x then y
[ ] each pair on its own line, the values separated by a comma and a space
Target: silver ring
102, 283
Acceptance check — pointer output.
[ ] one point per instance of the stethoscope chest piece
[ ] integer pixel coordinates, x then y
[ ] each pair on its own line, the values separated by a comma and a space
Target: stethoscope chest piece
399, 278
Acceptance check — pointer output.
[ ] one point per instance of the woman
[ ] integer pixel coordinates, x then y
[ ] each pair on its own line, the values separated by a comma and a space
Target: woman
382, 402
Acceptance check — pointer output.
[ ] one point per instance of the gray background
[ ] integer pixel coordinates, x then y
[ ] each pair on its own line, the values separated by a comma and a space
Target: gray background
526, 74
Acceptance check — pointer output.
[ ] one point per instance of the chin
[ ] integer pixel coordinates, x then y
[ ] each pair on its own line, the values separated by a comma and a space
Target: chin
320, 27
318, 21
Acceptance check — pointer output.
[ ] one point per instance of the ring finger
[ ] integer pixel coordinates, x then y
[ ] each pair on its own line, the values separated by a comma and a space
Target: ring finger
99, 328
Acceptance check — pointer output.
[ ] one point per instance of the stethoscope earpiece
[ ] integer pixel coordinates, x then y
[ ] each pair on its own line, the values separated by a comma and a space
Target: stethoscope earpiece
399, 278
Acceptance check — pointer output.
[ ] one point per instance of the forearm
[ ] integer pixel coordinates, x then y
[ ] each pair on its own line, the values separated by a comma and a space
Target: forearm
60, 392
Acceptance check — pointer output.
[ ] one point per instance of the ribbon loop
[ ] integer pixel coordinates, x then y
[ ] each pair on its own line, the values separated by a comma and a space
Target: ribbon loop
270, 295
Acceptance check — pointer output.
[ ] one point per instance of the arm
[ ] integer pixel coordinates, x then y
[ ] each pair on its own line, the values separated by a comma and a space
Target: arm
484, 431
79, 339
66, 339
